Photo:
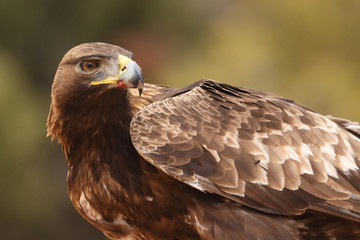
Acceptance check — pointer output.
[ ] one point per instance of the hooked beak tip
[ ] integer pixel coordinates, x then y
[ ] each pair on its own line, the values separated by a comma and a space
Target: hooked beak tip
141, 87
133, 76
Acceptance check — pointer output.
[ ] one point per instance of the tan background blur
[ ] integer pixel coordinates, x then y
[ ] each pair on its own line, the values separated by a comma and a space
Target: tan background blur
305, 50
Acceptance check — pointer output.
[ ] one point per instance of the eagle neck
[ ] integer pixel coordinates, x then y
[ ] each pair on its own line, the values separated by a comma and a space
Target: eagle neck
102, 160
100, 132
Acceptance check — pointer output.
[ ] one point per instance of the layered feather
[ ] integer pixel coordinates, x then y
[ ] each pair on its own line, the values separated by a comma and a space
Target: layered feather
260, 149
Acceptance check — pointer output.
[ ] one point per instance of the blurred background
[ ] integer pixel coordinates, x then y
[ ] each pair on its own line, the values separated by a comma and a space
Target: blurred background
305, 50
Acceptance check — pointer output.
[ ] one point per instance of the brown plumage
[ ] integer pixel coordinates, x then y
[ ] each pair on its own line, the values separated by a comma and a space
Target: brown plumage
208, 161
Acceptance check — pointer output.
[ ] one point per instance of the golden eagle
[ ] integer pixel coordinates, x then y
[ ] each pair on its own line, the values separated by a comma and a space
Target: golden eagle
208, 161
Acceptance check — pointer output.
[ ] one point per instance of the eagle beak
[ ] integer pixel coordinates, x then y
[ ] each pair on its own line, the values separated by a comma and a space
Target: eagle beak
130, 75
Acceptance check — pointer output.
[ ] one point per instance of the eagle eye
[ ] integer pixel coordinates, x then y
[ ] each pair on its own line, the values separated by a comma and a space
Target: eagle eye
89, 65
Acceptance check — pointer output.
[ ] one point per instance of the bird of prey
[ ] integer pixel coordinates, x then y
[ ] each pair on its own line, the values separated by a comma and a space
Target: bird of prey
207, 161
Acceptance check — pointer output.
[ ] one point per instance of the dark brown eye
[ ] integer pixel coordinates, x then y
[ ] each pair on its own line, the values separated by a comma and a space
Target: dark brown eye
89, 65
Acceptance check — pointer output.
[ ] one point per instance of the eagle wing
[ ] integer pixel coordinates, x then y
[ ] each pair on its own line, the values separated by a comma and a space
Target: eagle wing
255, 148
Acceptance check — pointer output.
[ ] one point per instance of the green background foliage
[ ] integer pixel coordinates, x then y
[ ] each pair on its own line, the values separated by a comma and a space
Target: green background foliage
305, 50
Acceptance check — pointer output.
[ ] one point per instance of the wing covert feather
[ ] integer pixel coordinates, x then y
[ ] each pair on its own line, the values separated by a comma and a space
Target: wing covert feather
252, 147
